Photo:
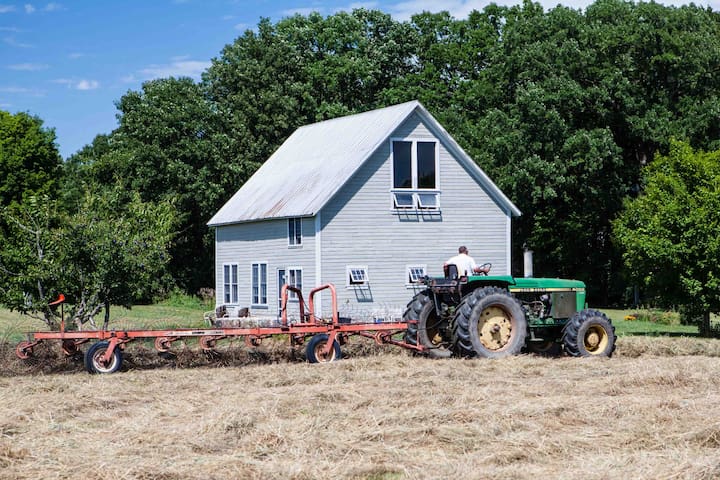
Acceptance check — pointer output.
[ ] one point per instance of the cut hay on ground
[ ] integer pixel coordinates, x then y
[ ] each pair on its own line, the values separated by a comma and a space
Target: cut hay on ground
382, 414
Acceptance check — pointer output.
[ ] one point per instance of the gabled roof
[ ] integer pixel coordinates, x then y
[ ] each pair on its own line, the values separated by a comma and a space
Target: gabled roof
314, 163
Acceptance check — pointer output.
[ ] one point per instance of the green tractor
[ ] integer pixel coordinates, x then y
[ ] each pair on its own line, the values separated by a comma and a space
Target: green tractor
497, 316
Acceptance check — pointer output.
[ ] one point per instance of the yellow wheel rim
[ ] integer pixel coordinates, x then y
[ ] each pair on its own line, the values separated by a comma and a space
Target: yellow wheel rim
596, 340
494, 328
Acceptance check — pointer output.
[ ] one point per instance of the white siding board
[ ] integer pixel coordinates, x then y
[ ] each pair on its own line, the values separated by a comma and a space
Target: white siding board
265, 241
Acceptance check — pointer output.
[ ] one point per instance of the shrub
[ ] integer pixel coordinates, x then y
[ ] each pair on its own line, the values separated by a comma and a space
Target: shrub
662, 317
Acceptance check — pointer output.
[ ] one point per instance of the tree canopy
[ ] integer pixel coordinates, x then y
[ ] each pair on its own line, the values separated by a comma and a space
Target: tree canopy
29, 159
562, 108
671, 233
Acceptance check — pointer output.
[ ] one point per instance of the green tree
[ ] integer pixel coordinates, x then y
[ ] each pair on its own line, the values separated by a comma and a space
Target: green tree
112, 251
115, 250
29, 159
169, 147
30, 270
670, 234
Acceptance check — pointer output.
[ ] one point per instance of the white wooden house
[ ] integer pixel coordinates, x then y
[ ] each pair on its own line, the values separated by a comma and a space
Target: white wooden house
367, 202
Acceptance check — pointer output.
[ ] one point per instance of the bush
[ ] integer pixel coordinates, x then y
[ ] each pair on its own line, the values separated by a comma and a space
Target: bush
178, 298
661, 317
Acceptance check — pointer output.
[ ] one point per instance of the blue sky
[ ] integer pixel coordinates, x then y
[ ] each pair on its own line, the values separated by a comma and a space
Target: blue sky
69, 61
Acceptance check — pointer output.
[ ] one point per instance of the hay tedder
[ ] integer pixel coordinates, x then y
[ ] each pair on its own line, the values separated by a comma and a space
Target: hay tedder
476, 316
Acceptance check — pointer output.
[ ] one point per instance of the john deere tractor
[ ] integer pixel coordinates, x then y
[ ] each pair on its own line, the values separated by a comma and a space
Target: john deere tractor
497, 316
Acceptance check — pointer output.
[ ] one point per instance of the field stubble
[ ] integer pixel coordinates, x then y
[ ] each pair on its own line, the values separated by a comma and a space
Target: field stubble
650, 412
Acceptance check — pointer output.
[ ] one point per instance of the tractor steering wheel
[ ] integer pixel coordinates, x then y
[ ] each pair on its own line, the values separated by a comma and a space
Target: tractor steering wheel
484, 266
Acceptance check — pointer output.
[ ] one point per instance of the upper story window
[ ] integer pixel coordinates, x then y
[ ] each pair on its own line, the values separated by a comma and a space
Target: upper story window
415, 175
294, 232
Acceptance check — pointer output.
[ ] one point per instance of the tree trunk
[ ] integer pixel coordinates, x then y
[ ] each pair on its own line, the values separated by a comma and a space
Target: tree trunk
107, 314
705, 325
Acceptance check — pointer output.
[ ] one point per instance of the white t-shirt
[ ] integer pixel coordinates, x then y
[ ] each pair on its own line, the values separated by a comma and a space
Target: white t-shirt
465, 264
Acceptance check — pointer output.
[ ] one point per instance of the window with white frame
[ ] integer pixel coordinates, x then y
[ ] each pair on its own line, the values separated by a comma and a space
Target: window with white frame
259, 283
415, 175
230, 283
294, 279
414, 273
295, 232
357, 275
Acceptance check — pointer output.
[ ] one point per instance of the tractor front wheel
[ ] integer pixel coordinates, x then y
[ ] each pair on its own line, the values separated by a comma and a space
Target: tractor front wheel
589, 333
490, 323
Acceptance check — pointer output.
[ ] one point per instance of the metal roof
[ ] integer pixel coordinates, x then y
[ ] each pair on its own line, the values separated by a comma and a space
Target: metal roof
314, 163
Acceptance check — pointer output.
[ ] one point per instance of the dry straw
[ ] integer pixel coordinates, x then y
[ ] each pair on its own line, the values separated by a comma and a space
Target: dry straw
647, 413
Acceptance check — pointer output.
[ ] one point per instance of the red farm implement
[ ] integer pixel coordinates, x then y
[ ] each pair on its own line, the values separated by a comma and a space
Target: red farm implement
322, 337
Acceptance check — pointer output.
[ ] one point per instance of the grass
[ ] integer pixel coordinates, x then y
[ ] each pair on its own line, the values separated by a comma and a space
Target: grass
386, 416
640, 327
380, 414
177, 311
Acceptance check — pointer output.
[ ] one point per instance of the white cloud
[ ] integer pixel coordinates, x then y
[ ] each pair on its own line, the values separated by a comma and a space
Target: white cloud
28, 67
76, 55
365, 5
29, 8
129, 79
78, 84
7, 8
178, 68
300, 11
33, 92
14, 43
87, 85
53, 7
242, 26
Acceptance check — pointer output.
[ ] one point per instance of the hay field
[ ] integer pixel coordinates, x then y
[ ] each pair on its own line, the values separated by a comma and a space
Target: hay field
650, 412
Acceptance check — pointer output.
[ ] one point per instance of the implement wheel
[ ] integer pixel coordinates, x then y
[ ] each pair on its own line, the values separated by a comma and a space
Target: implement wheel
429, 331
93, 358
24, 350
589, 333
491, 322
314, 349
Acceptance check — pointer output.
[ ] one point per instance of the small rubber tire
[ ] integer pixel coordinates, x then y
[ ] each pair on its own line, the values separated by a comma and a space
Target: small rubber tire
589, 333
95, 352
313, 351
485, 305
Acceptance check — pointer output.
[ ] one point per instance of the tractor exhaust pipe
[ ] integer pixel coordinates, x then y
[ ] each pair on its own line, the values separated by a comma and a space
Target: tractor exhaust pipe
527, 262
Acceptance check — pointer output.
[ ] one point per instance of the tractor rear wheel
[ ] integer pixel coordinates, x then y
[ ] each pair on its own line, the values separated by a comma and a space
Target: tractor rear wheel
490, 323
589, 333
429, 329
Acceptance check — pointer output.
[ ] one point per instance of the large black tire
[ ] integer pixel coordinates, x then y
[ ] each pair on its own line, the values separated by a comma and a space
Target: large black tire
589, 333
315, 346
93, 364
428, 329
490, 323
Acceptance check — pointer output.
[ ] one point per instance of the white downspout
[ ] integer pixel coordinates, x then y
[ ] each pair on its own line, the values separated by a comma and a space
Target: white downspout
318, 262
